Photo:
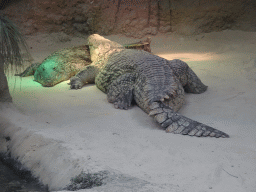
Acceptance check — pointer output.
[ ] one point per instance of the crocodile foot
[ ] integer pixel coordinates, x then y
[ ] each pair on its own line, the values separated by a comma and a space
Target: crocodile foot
75, 83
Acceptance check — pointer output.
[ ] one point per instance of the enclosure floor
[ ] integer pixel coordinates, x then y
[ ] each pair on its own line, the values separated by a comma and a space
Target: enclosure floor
57, 132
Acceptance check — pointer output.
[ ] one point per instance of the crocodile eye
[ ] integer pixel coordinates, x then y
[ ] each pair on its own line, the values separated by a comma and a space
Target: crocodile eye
54, 68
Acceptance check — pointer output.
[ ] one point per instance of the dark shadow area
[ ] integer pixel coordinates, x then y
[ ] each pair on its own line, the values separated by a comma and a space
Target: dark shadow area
6, 3
14, 177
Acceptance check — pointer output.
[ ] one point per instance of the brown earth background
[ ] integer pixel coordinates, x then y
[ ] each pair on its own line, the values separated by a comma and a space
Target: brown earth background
133, 18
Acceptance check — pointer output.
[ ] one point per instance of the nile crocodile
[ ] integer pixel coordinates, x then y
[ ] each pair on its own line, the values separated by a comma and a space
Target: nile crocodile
156, 85
65, 63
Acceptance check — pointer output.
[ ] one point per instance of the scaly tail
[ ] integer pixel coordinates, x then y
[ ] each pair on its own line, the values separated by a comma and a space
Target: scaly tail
178, 124
29, 71
141, 45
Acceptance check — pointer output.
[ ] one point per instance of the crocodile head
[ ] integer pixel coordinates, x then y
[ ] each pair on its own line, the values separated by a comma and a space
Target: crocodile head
51, 72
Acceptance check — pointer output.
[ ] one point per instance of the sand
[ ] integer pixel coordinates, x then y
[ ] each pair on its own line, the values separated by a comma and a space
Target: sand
57, 132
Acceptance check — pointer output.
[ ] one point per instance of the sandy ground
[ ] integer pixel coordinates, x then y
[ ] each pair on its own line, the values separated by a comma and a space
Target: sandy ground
57, 132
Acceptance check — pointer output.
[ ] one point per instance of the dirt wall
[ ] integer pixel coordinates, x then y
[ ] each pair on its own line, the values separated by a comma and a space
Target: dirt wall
135, 18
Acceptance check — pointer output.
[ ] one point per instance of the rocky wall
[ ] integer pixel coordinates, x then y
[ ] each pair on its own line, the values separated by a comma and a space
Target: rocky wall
135, 18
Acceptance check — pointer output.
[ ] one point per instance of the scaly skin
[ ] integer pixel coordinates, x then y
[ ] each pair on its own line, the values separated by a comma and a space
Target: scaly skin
66, 63
59, 66
157, 85
141, 45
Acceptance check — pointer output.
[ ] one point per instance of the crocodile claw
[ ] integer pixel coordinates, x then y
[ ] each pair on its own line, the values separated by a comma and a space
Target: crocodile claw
75, 83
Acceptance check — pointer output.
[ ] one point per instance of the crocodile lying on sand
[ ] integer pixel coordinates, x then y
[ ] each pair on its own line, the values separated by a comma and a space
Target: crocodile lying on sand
156, 85
64, 64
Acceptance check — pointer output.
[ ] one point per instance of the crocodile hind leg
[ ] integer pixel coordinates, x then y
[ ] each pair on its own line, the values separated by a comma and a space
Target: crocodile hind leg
194, 84
29, 71
120, 91
190, 81
176, 123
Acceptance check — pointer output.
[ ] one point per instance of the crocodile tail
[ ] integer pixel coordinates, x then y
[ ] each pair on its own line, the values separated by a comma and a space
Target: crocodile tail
141, 45
29, 71
178, 124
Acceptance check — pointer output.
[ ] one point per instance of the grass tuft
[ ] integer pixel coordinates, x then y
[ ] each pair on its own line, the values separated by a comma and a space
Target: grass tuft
11, 42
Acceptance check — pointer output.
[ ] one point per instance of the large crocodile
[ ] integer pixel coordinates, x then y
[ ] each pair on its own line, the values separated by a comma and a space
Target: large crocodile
65, 63
156, 85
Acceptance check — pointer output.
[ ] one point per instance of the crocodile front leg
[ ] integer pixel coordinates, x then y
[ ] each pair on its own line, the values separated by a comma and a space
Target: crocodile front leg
83, 77
120, 91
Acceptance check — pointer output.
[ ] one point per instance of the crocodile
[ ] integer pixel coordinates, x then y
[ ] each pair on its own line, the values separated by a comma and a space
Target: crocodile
157, 85
65, 63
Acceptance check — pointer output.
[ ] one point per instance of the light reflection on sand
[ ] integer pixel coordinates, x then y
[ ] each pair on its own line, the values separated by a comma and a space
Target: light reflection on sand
190, 56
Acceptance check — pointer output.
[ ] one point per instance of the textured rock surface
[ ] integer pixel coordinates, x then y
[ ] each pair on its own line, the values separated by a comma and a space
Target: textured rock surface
135, 18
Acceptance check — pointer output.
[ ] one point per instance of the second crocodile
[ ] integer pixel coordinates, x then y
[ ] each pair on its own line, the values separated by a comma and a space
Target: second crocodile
65, 63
